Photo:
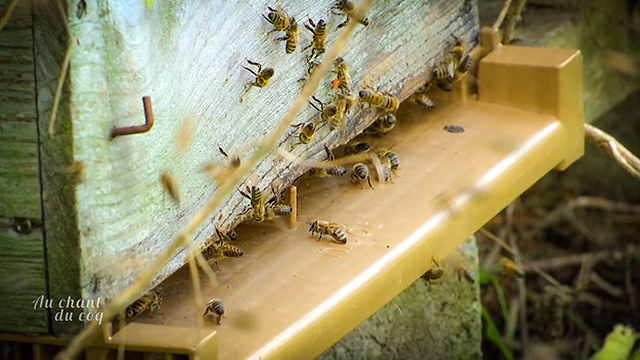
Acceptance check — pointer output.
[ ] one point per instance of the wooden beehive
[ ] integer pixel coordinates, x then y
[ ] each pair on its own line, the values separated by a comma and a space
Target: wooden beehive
101, 227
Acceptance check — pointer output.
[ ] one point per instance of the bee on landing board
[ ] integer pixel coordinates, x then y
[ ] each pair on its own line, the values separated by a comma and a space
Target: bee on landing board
291, 36
360, 173
262, 76
384, 101
277, 18
216, 308
319, 33
342, 75
357, 148
346, 7
306, 133
257, 209
382, 125
321, 228
149, 301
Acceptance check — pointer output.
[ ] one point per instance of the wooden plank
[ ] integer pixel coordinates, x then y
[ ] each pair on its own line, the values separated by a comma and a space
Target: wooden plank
184, 55
58, 186
22, 275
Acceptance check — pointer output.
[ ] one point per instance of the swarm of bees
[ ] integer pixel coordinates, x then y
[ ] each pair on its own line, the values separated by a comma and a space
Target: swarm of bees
334, 113
149, 301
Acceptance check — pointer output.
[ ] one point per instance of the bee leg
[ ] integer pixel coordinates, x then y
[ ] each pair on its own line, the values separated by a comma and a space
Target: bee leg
251, 71
307, 48
369, 181
310, 28
343, 24
206, 311
219, 317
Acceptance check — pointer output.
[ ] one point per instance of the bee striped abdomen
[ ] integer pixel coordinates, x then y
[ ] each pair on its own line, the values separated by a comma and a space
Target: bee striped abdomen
231, 251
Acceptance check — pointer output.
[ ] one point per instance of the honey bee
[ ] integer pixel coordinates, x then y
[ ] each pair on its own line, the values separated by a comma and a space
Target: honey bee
434, 275
386, 101
169, 186
257, 204
342, 75
312, 65
360, 173
343, 103
234, 161
273, 210
278, 19
306, 133
262, 76
148, 301
346, 7
421, 97
230, 235
394, 162
220, 250
325, 228
319, 34
334, 171
464, 272
382, 125
291, 36
509, 268
216, 308
455, 64
328, 112
357, 148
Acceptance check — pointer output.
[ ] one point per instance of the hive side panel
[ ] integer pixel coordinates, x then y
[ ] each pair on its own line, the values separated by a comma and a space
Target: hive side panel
187, 56
22, 273
56, 158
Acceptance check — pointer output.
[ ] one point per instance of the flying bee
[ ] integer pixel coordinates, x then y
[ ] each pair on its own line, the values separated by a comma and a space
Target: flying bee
234, 161
509, 268
262, 76
170, 186
386, 101
346, 7
216, 308
463, 271
357, 148
278, 19
421, 97
382, 125
257, 204
360, 173
319, 33
342, 75
306, 133
291, 36
434, 275
325, 228
148, 301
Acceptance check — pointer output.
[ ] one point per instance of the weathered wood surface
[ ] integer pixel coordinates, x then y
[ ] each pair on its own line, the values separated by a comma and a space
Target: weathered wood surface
22, 268
187, 56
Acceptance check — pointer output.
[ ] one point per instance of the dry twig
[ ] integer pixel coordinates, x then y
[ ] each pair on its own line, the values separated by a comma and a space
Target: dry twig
510, 21
610, 146
502, 14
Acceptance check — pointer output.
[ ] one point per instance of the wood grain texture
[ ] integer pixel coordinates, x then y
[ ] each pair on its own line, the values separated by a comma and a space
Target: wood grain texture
22, 260
187, 56
62, 240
